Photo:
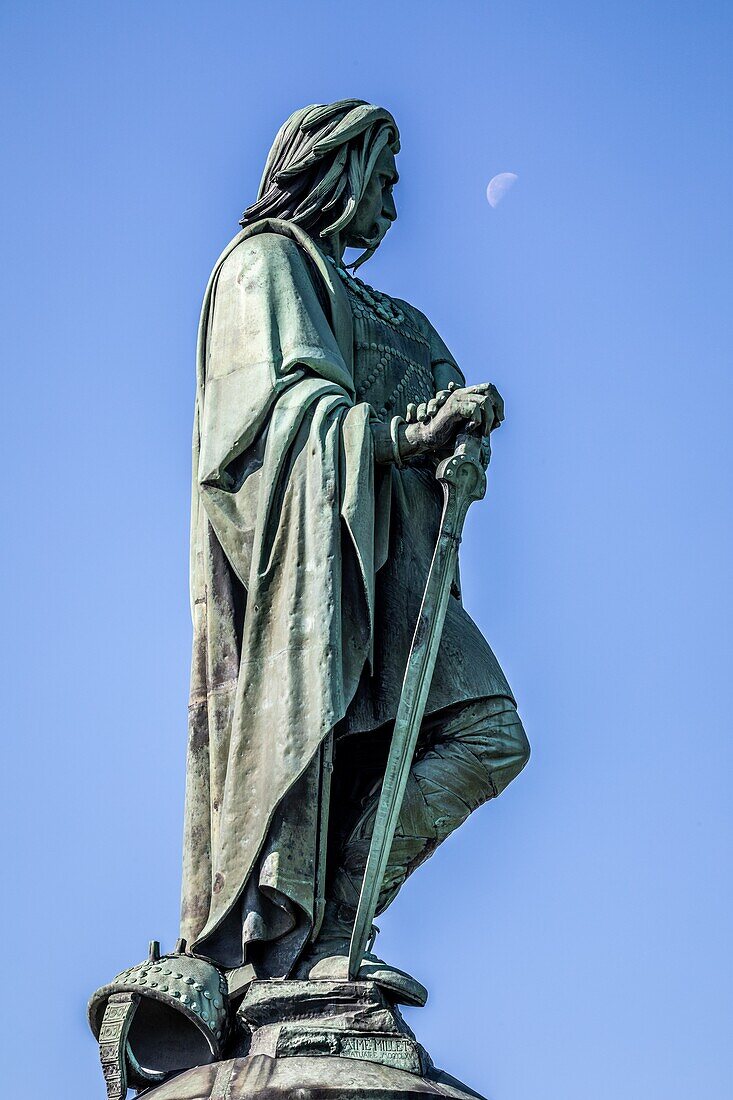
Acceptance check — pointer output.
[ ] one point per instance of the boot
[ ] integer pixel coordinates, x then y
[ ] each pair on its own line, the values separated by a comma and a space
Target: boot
328, 959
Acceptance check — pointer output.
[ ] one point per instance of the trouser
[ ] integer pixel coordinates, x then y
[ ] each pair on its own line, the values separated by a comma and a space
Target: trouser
467, 754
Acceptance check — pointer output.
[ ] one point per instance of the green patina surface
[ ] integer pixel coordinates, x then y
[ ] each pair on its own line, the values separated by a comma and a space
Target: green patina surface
323, 410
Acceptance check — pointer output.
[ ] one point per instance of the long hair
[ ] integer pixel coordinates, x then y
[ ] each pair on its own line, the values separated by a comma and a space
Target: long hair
320, 164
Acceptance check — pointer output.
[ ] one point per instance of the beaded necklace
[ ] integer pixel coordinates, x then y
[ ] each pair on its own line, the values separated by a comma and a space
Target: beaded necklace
382, 304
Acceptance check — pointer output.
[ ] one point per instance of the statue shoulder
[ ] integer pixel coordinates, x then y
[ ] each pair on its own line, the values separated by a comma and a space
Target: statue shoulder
276, 268
263, 253
415, 317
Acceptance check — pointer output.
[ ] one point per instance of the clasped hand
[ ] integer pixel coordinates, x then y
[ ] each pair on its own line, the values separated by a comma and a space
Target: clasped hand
432, 427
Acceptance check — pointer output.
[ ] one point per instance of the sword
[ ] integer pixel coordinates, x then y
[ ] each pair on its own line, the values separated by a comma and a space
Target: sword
464, 480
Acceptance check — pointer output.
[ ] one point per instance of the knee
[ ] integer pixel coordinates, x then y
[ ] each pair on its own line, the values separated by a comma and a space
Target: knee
486, 745
517, 737
507, 745
520, 744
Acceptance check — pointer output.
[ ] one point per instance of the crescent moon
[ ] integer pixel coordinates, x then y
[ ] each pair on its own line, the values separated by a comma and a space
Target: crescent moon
499, 186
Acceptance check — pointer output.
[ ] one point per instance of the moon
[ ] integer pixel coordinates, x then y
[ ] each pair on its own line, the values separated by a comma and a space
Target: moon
499, 186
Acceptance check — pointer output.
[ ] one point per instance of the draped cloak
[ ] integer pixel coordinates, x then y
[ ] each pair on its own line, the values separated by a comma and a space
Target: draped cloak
308, 562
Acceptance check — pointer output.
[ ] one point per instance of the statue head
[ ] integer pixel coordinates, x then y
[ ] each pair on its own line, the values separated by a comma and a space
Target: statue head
331, 170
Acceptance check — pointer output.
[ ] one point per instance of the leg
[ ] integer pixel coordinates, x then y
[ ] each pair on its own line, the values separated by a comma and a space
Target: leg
471, 753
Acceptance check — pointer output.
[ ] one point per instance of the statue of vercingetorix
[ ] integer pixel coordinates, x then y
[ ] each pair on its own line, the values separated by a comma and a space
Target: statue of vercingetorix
323, 407
310, 549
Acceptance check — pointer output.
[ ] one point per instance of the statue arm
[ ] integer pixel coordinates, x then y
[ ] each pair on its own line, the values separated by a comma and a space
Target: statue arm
444, 372
384, 451
445, 368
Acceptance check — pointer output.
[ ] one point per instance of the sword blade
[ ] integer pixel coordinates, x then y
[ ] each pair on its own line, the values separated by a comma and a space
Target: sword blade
464, 481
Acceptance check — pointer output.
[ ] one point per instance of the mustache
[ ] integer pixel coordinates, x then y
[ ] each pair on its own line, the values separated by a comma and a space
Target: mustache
380, 229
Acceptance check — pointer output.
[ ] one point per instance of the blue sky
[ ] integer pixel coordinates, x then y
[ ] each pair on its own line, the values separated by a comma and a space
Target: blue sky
575, 935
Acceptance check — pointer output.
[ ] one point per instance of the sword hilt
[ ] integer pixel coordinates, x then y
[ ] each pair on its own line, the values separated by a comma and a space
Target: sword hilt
463, 478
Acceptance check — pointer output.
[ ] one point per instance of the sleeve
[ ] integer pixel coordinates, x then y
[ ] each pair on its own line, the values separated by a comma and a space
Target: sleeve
445, 369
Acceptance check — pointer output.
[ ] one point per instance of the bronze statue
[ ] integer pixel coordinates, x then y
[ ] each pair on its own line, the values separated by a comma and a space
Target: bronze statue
323, 409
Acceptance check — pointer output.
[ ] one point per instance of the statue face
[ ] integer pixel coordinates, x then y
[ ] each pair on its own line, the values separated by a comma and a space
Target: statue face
376, 211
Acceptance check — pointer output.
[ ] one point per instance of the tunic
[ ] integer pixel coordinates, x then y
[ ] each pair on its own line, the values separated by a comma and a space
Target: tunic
395, 363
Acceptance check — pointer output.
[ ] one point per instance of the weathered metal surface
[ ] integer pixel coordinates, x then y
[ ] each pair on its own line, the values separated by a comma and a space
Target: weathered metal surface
176, 1015
323, 407
315, 518
118, 1013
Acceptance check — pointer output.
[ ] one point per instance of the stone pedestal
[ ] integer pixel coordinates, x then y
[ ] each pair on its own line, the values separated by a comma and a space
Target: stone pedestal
317, 1040
259, 1077
328, 1019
